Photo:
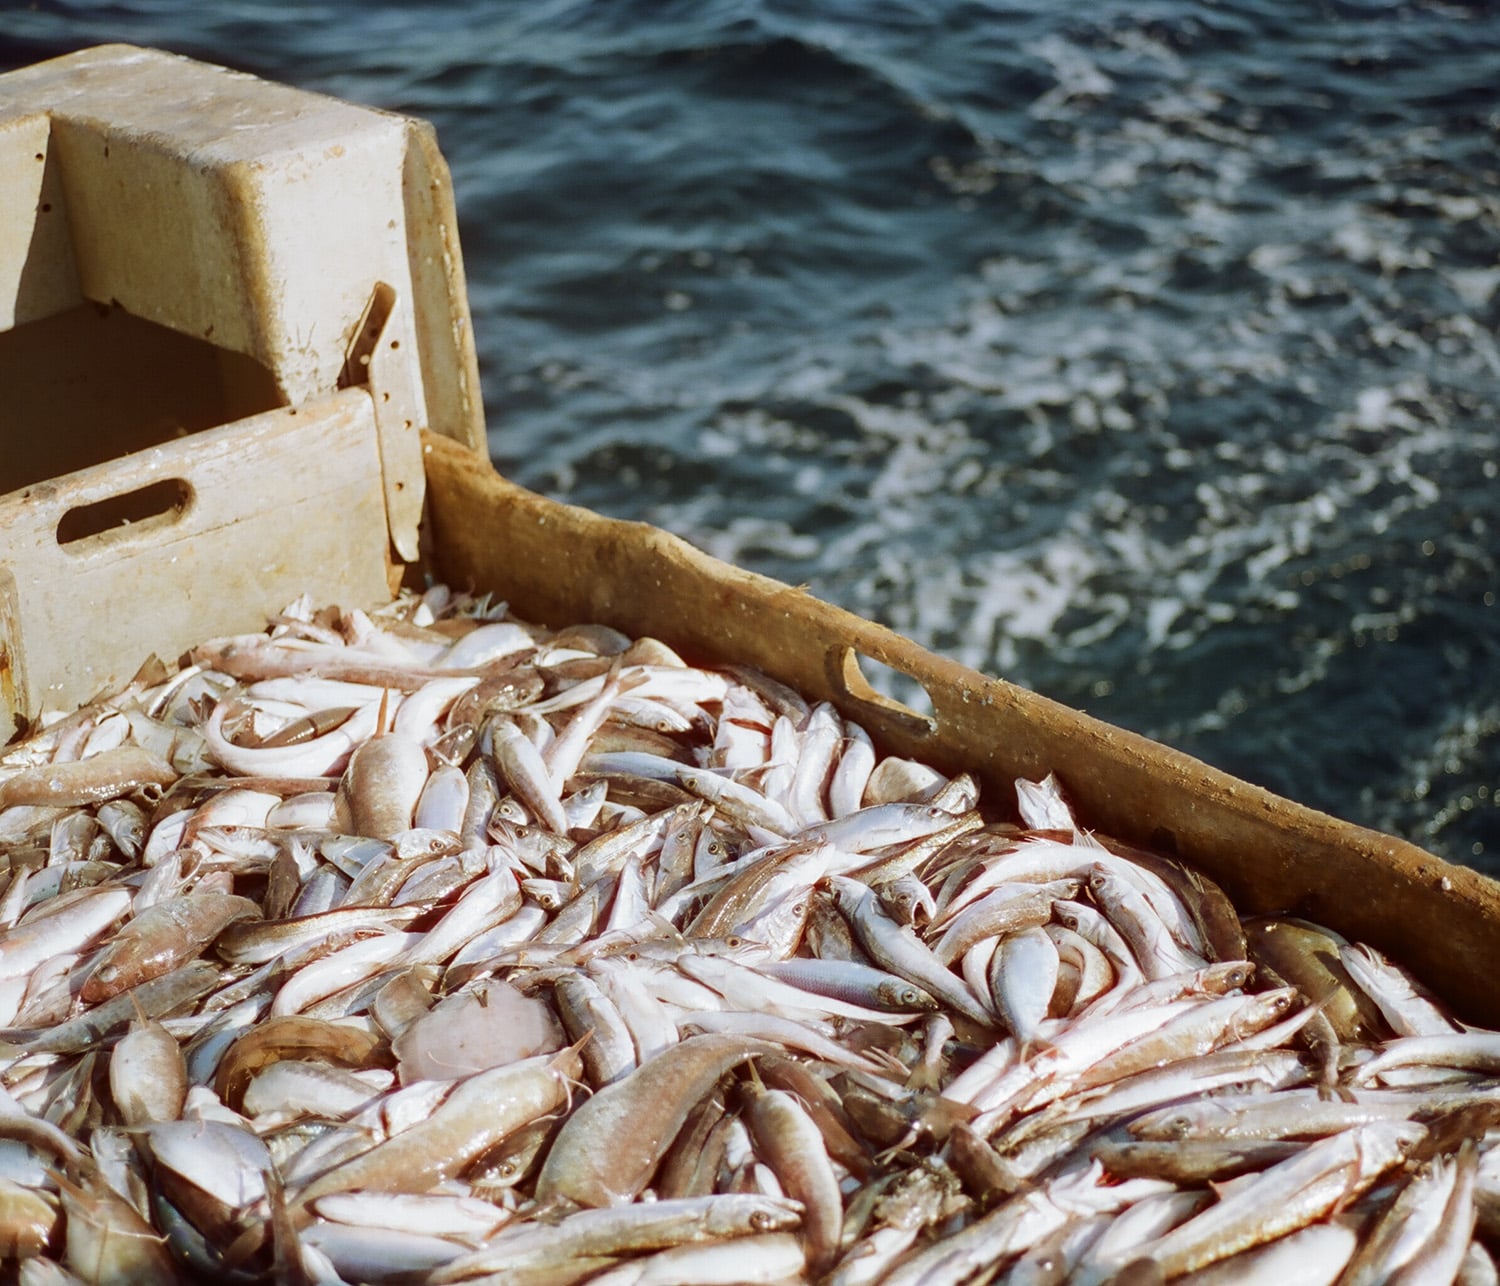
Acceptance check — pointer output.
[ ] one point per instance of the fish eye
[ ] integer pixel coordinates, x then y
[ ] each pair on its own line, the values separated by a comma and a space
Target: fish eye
761, 1221
734, 941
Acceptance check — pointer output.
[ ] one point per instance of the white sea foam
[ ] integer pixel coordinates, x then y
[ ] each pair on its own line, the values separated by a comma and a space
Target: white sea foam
1078, 76
1196, 383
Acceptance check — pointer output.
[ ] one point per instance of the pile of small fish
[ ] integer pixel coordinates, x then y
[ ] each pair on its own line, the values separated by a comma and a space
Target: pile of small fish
431, 946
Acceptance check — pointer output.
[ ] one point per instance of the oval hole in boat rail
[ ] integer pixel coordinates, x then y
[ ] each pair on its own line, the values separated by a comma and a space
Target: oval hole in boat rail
861, 678
146, 509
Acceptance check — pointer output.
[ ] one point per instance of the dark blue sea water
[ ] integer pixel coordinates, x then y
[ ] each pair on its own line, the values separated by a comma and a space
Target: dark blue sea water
1141, 353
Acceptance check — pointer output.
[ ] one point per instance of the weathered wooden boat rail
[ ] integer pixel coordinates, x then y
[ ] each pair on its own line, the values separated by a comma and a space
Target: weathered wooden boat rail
559, 563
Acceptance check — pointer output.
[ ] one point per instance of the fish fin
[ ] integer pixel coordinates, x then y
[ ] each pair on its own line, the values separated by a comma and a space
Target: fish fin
923, 1077
887, 1061
141, 1016
1037, 1045
942, 1115
66, 1185
246, 1245
579, 1043
900, 1147
285, 1247
565, 1061
1140, 1272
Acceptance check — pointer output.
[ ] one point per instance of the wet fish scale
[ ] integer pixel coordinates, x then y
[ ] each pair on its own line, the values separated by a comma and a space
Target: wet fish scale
580, 894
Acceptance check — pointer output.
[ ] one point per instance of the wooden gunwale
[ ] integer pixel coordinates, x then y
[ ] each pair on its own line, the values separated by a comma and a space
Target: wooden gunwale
560, 564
